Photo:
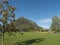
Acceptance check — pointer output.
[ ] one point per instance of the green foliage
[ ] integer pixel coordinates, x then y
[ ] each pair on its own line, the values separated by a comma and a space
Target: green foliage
55, 26
7, 16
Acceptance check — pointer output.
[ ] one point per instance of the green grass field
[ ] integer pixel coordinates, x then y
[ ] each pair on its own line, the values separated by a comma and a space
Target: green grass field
50, 38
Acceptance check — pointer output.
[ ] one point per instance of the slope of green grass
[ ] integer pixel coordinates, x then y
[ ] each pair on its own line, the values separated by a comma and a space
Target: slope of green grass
50, 39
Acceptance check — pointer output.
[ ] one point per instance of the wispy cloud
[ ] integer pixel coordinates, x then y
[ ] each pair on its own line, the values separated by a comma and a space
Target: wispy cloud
47, 20
45, 23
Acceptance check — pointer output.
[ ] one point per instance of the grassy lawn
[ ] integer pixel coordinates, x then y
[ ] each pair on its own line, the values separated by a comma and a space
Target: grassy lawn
50, 38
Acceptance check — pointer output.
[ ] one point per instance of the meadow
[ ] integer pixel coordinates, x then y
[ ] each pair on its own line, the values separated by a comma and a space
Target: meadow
48, 38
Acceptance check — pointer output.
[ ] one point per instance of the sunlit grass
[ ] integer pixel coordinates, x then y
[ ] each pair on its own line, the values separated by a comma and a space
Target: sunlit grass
50, 38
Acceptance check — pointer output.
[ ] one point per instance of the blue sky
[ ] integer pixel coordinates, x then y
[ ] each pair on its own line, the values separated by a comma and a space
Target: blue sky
40, 11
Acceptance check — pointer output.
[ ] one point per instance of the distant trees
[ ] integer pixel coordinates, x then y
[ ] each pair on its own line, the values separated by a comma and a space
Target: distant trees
7, 18
55, 25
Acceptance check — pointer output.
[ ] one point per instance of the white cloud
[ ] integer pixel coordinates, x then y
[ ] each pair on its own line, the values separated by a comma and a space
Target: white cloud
47, 20
45, 23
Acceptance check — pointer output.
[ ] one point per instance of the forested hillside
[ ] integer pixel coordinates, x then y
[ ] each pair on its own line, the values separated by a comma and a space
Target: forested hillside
27, 25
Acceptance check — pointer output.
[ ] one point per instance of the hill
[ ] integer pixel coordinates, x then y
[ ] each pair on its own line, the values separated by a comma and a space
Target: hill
27, 25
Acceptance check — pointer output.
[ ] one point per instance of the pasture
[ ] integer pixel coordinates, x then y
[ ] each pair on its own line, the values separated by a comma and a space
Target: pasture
48, 38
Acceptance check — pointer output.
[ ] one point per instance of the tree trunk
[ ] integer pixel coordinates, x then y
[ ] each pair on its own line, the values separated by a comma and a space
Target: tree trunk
2, 38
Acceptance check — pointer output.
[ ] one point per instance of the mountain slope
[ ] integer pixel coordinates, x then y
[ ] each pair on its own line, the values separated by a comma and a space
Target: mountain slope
27, 25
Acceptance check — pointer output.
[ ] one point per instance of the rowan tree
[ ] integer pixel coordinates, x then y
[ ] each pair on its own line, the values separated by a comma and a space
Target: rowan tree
7, 18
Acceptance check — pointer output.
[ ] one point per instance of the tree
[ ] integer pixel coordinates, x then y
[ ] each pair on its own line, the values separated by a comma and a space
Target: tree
55, 26
7, 18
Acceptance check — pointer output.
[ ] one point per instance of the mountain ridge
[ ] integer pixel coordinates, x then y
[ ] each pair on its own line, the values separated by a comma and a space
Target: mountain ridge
27, 25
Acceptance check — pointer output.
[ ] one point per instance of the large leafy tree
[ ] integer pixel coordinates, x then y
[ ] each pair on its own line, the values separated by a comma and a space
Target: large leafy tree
55, 26
7, 18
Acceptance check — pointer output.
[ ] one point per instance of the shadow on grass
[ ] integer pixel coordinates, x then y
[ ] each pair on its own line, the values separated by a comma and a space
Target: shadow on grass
29, 42
0, 34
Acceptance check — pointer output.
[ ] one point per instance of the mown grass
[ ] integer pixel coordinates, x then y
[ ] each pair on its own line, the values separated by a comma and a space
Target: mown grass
50, 38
